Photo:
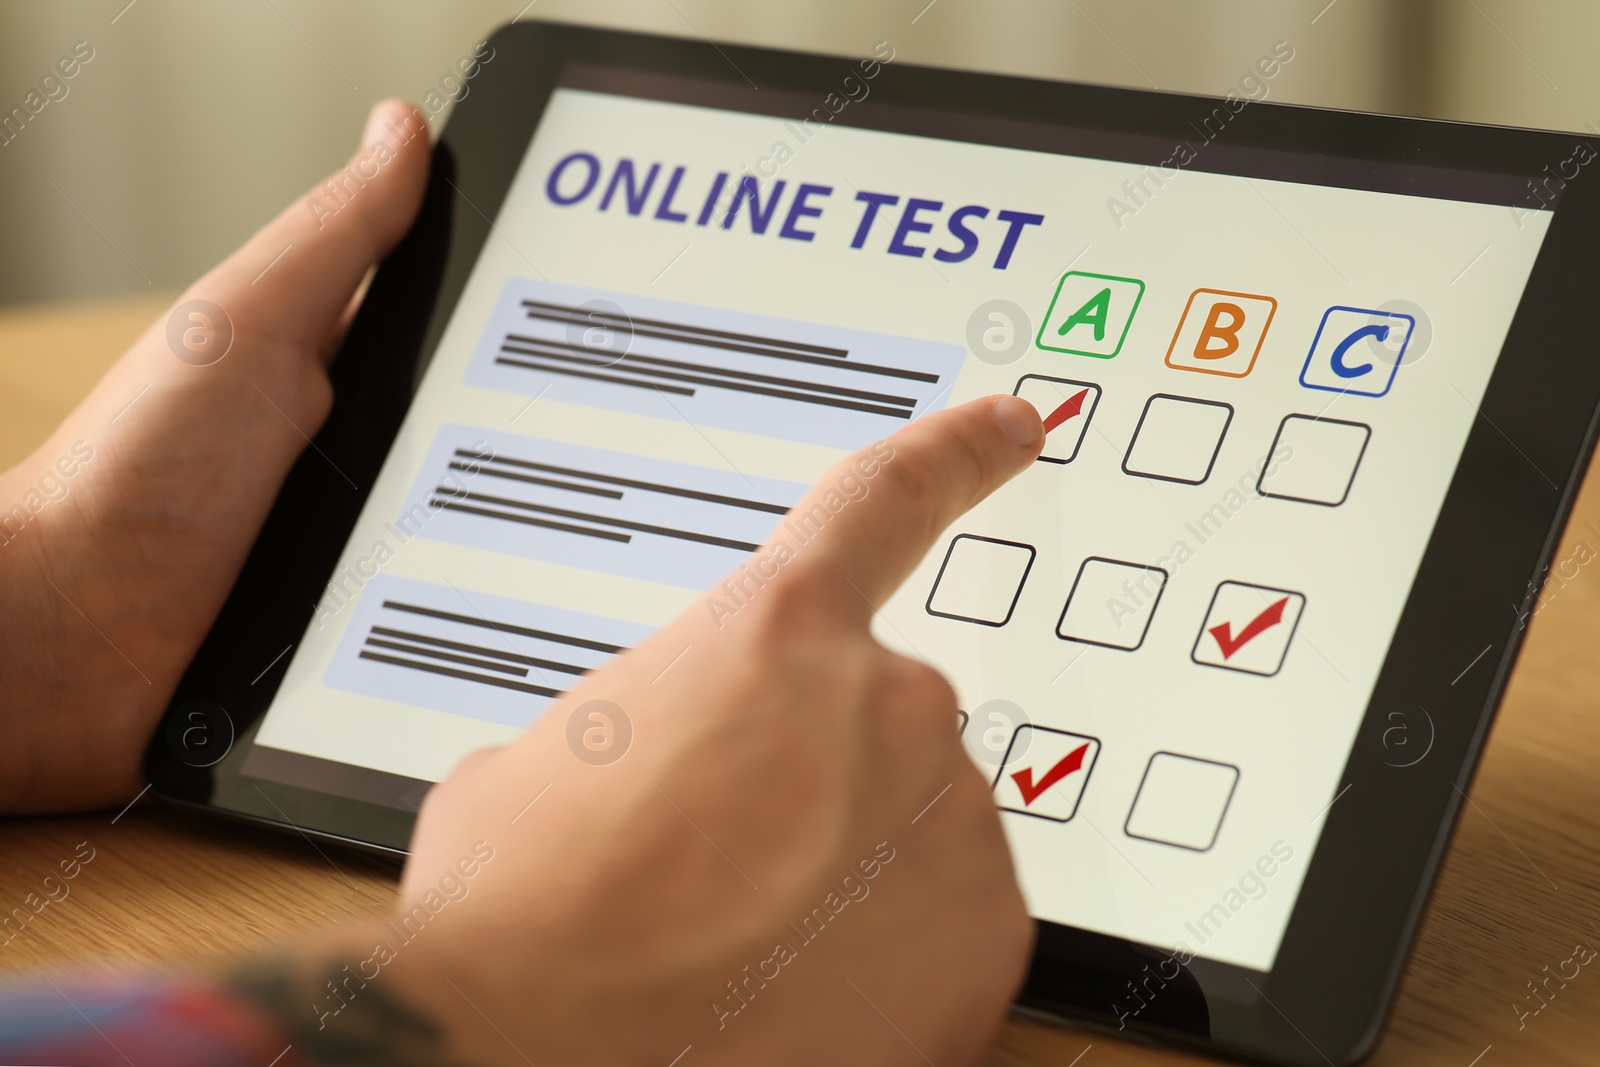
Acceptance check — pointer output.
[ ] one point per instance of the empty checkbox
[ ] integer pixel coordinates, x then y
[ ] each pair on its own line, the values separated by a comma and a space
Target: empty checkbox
1318, 461
1111, 603
1181, 801
980, 580
1177, 439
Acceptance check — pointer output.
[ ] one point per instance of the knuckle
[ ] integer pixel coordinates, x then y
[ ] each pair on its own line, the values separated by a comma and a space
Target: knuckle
938, 482
967, 461
796, 629
438, 801
787, 608
912, 480
916, 702
451, 793
923, 688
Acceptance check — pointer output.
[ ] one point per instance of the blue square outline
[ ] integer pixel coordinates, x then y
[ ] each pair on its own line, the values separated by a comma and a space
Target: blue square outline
1394, 370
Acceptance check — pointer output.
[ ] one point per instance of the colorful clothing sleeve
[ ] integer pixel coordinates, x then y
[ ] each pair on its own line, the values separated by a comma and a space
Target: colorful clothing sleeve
116, 1023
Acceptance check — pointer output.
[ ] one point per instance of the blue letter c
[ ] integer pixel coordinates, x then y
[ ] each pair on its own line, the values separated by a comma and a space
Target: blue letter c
1343, 369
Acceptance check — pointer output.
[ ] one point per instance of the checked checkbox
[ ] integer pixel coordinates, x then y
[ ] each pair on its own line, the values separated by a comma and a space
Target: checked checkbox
1248, 628
1066, 406
1044, 772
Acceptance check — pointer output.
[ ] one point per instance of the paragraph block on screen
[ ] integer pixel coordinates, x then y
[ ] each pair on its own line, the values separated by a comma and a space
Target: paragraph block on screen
782, 378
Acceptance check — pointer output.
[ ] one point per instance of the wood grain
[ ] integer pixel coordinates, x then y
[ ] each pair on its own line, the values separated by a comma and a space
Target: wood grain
50, 356
1520, 888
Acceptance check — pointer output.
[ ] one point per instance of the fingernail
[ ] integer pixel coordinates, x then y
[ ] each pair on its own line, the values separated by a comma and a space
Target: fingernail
1018, 420
375, 119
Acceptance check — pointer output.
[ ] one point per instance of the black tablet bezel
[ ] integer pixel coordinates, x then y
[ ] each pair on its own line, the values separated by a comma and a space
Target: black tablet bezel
1326, 998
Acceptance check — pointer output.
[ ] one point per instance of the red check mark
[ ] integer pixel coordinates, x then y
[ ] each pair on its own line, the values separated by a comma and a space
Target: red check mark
1069, 407
1066, 765
1261, 623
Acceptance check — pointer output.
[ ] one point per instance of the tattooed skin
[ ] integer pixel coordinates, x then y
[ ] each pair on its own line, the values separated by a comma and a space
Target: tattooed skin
333, 1015
269, 1011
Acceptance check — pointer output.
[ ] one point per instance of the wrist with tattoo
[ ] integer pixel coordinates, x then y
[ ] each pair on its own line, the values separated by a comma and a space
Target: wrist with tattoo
330, 1014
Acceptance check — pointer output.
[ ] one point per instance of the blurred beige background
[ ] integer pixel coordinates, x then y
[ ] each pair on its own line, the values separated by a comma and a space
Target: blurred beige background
196, 120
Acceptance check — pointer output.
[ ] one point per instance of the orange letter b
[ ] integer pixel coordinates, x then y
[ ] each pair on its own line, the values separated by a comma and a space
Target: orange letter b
1214, 330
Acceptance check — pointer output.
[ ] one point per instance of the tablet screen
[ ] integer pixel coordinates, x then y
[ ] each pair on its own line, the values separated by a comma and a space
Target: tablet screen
1164, 635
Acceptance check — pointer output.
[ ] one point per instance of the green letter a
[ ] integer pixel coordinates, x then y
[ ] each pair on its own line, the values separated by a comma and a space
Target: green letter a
1094, 313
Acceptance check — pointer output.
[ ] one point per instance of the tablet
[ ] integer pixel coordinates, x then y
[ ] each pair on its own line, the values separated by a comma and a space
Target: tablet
1319, 388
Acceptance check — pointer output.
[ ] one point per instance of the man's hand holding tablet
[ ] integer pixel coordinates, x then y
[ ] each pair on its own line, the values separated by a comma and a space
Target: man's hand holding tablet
118, 581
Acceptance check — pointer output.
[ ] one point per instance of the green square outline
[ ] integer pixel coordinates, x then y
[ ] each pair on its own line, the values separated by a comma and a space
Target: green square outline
1039, 340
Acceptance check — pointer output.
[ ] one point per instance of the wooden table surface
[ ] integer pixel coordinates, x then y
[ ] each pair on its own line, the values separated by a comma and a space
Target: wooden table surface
1520, 888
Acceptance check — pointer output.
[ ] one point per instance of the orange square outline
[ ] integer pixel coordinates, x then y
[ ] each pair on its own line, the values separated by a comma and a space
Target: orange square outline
1185, 318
